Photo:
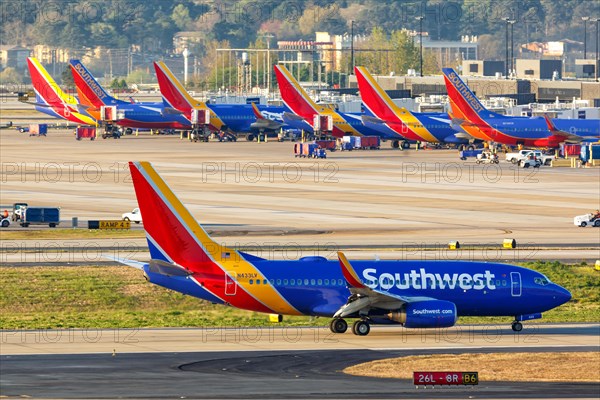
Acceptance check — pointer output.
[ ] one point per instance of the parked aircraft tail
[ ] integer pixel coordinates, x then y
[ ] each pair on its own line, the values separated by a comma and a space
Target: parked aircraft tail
293, 94
46, 89
464, 99
180, 246
91, 93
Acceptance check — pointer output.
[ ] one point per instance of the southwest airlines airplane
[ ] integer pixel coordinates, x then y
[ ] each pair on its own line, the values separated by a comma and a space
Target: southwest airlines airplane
415, 294
237, 117
51, 100
297, 100
424, 127
486, 125
131, 115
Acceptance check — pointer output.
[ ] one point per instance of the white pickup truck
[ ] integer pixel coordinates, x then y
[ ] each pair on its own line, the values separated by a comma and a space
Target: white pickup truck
521, 155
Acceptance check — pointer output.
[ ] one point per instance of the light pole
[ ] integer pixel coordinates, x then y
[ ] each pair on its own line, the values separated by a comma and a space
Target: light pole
186, 53
512, 45
585, 20
352, 47
420, 19
597, 20
506, 19
268, 37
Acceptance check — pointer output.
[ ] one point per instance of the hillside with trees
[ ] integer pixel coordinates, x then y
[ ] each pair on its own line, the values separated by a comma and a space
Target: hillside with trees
147, 27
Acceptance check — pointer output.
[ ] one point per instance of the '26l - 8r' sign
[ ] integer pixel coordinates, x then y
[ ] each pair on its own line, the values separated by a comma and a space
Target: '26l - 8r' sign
445, 378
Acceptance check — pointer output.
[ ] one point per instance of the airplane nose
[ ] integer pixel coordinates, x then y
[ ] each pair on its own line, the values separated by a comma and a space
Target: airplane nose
562, 295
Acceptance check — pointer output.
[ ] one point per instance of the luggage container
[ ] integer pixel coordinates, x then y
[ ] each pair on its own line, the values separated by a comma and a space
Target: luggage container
38, 129
370, 142
308, 149
41, 216
571, 150
464, 154
326, 144
85, 132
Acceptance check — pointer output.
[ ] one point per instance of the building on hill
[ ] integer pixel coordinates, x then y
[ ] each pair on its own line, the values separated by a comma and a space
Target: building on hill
14, 56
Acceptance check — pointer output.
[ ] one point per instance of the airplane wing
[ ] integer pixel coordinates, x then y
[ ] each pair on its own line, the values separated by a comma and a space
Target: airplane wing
363, 297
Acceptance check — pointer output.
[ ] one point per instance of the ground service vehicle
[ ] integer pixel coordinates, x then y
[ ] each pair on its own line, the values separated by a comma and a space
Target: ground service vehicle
487, 157
41, 216
134, 216
586, 220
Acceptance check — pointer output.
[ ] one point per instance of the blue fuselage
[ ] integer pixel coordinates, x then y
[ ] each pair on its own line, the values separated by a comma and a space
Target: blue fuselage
317, 287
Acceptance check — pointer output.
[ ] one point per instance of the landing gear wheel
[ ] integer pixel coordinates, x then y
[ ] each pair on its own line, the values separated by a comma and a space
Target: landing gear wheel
517, 326
338, 325
361, 328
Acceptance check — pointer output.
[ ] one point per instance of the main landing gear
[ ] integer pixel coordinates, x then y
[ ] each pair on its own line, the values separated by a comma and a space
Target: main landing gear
338, 325
360, 327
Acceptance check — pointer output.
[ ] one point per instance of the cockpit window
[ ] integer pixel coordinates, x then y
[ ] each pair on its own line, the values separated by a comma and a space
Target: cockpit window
543, 281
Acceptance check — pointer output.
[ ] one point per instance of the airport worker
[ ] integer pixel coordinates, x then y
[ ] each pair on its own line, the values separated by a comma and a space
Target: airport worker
5, 213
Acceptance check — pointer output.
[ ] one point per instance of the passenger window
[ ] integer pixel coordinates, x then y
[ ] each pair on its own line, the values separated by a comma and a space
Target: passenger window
306, 282
285, 282
320, 282
251, 281
326, 282
278, 282
258, 281
312, 282
265, 281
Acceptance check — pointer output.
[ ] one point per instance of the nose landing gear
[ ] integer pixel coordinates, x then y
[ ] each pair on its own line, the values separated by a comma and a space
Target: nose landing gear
517, 326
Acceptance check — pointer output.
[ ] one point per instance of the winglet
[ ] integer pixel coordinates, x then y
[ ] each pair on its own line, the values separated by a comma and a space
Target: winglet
348, 272
256, 111
571, 138
551, 127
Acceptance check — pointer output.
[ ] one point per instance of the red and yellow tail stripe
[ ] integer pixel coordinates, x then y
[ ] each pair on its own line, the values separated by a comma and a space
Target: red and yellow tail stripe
348, 271
382, 106
63, 104
296, 99
178, 97
186, 243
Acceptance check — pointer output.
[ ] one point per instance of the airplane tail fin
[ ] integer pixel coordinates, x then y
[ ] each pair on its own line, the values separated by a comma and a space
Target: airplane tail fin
173, 234
90, 92
463, 100
47, 91
173, 91
293, 95
374, 97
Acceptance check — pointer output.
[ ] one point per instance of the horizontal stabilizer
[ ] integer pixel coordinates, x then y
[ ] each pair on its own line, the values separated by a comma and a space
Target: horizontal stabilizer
292, 117
131, 263
168, 269
372, 120
171, 111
